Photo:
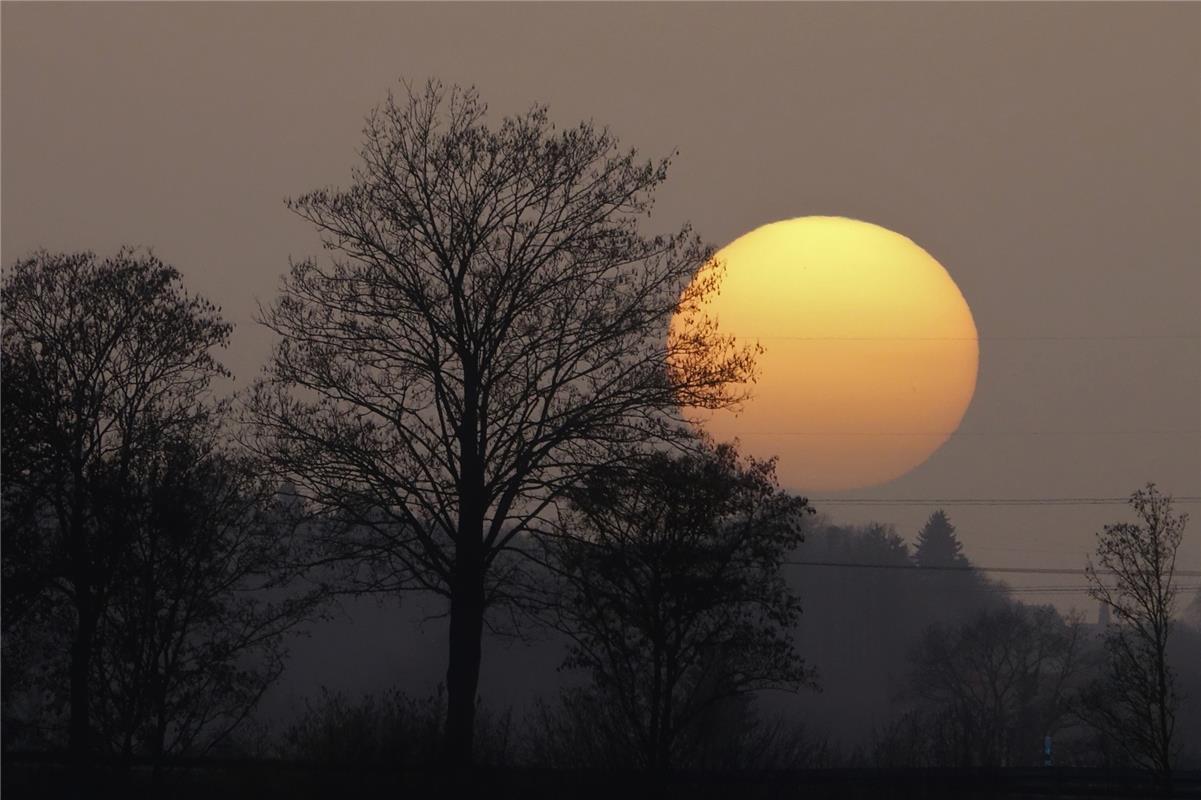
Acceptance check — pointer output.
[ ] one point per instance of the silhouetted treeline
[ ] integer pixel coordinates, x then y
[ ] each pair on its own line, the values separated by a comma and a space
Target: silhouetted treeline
144, 562
861, 624
482, 397
150, 575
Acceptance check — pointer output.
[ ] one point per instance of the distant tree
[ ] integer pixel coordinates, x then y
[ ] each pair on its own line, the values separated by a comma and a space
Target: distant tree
101, 358
1184, 656
861, 625
1135, 702
937, 545
192, 633
991, 688
1192, 613
672, 595
492, 326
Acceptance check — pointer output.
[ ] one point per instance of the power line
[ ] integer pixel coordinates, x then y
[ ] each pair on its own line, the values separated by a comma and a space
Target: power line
1077, 551
1068, 588
1164, 432
1137, 337
988, 501
1001, 588
1077, 589
1185, 573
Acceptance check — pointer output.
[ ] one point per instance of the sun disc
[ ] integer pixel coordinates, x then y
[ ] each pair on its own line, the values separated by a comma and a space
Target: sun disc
870, 351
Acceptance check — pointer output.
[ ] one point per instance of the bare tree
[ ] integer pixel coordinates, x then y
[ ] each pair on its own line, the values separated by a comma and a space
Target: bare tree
192, 634
991, 688
492, 324
1135, 702
672, 594
100, 360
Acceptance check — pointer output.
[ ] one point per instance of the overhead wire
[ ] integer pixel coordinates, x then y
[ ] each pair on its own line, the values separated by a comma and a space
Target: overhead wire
1045, 338
989, 501
1161, 432
1186, 573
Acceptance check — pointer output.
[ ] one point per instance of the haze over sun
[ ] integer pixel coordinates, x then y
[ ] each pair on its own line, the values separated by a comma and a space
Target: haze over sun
870, 351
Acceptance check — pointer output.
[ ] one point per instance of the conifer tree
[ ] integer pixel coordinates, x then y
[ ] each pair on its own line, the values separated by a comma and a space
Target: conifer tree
937, 545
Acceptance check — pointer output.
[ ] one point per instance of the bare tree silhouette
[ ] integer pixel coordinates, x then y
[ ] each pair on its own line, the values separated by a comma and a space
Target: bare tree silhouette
1135, 702
672, 594
192, 633
992, 687
101, 358
491, 326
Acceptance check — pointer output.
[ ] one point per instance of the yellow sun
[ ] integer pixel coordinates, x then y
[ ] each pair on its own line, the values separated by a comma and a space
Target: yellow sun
870, 351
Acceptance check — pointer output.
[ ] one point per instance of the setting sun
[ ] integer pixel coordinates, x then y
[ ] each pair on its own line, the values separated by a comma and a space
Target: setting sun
869, 351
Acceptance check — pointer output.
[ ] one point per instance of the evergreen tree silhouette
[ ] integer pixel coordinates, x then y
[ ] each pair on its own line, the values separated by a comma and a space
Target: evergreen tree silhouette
937, 545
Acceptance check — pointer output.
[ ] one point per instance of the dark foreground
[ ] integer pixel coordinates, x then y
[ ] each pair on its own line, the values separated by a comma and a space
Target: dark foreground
42, 777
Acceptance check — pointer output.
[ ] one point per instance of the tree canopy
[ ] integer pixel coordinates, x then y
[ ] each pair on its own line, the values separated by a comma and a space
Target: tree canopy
1135, 701
491, 326
671, 593
102, 359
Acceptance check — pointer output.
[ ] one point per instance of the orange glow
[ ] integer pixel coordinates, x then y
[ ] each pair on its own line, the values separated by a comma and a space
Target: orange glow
870, 351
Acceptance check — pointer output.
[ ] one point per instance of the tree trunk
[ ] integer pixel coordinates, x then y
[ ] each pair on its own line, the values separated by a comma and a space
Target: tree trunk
1164, 733
463, 668
656, 722
666, 730
158, 746
81, 660
467, 586
87, 614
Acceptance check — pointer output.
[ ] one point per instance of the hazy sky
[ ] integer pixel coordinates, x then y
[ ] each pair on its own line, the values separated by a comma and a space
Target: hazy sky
1049, 156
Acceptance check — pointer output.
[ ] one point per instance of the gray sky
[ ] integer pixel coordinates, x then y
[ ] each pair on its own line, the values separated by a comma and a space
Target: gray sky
1048, 155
